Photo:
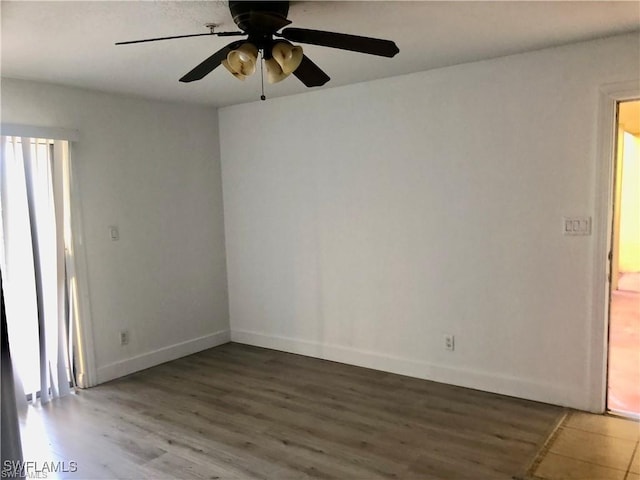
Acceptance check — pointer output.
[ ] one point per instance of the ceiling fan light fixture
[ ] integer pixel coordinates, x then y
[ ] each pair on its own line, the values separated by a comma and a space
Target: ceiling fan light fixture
274, 71
263, 22
288, 56
241, 62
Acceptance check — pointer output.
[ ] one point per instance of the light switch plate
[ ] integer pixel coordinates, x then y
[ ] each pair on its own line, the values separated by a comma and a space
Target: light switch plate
576, 225
114, 234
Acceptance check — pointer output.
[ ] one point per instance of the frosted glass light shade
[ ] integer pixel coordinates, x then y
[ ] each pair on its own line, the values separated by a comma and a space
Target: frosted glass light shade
274, 71
239, 76
241, 62
288, 56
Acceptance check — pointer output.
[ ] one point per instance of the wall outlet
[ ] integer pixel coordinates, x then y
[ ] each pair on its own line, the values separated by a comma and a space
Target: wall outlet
124, 337
449, 342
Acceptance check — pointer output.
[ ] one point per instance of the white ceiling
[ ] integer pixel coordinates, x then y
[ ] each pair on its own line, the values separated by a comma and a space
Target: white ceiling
72, 42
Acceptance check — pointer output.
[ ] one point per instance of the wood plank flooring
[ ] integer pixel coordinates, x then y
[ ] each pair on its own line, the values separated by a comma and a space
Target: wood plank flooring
241, 412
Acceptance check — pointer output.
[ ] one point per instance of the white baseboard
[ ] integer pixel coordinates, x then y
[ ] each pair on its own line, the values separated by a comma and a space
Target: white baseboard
485, 381
161, 355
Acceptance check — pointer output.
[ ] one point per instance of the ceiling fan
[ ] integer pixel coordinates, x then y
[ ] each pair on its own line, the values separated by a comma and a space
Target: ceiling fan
261, 22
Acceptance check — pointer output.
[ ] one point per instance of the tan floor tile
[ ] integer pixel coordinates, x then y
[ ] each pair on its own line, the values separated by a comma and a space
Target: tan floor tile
633, 476
635, 464
594, 448
558, 467
604, 424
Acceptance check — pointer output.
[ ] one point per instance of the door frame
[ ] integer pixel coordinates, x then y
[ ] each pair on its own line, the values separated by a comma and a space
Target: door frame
610, 95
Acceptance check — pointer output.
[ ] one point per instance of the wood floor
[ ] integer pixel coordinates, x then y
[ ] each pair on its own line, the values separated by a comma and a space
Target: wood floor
242, 412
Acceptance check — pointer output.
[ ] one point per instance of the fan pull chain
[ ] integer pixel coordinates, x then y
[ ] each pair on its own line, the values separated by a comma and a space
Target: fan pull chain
262, 97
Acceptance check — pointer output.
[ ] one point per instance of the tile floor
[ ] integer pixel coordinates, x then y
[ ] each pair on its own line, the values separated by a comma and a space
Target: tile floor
591, 447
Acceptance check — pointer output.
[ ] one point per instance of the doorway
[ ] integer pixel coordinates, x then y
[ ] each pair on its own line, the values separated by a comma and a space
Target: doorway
623, 382
34, 255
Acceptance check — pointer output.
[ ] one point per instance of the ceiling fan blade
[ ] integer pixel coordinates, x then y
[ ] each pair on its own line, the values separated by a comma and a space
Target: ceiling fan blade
355, 43
210, 64
219, 34
310, 74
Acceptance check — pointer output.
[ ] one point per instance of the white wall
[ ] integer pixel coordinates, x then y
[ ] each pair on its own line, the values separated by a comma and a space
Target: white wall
366, 221
153, 170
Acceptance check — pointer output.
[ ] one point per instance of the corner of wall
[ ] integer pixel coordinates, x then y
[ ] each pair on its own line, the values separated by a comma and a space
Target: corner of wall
166, 354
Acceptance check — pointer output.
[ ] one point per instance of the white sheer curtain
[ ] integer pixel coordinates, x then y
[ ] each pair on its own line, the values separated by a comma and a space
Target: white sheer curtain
33, 265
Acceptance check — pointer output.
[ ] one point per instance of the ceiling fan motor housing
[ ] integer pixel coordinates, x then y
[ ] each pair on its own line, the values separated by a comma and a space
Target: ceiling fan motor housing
258, 17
